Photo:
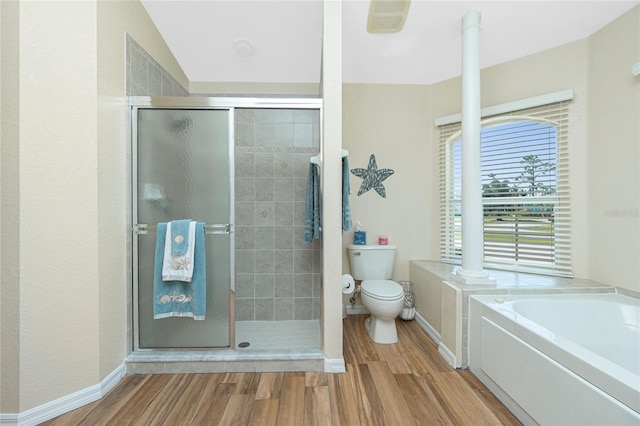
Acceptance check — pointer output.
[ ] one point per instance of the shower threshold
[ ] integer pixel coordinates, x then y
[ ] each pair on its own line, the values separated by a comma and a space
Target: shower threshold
267, 351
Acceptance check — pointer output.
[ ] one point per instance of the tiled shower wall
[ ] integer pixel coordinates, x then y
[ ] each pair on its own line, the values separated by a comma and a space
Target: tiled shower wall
146, 77
277, 274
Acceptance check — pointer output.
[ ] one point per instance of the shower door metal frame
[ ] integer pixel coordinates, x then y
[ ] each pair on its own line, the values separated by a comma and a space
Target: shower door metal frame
208, 103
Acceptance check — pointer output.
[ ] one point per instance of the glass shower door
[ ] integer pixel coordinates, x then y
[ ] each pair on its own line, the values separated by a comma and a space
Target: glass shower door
183, 163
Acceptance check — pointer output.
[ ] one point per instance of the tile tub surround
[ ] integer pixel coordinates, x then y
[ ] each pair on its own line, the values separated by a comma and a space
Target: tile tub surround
436, 296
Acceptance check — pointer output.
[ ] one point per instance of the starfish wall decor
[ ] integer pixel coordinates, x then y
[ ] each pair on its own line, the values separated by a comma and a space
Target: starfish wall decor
372, 177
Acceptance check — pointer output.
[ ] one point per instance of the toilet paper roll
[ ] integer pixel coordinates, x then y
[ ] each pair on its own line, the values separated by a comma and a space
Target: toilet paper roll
348, 284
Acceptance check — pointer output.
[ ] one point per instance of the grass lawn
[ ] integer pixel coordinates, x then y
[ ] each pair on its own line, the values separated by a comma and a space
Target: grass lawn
509, 230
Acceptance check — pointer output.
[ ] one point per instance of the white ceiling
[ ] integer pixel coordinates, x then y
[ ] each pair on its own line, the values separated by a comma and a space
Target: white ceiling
287, 37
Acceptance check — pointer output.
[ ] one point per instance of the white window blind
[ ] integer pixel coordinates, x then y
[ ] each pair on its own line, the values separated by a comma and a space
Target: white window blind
525, 187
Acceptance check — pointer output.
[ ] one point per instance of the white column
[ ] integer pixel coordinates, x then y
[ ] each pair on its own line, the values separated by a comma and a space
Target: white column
331, 185
472, 211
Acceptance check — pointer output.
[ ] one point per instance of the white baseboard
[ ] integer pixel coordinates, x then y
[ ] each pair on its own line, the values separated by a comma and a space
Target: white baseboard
427, 328
424, 325
435, 336
334, 366
65, 404
356, 310
8, 419
447, 355
112, 379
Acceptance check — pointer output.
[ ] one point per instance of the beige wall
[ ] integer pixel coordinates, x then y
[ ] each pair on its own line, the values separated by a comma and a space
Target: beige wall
331, 183
9, 208
396, 123
393, 122
64, 200
428, 298
64, 281
115, 19
58, 202
614, 154
255, 89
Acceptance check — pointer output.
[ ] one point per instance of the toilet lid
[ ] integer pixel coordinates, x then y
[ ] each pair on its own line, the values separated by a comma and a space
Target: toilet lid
382, 289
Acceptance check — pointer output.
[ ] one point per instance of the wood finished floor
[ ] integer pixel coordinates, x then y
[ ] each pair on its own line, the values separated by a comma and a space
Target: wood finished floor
407, 383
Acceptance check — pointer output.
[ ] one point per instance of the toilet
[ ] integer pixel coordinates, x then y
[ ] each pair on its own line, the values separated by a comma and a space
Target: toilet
383, 298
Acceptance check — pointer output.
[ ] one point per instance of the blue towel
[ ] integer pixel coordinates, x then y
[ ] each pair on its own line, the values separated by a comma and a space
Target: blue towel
179, 236
180, 298
312, 205
346, 190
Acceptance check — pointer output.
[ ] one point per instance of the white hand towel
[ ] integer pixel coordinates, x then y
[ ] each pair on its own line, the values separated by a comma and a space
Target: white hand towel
179, 267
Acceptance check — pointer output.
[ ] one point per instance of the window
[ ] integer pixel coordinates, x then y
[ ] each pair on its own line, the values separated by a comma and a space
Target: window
525, 191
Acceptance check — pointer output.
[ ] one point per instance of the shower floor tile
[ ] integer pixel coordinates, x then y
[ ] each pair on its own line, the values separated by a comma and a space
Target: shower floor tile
297, 334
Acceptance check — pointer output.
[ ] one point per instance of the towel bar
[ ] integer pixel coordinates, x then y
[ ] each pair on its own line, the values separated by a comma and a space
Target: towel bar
316, 158
213, 229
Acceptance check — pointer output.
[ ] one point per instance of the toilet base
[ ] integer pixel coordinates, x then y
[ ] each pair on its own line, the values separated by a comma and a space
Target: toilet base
381, 331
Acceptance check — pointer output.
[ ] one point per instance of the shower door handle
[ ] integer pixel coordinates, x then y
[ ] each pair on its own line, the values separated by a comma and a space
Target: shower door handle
209, 229
218, 228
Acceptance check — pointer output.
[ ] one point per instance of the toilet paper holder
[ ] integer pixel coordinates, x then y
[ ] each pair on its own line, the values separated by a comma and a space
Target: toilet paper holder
348, 284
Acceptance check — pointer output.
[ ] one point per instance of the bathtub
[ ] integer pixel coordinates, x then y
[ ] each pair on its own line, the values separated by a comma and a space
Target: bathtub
559, 359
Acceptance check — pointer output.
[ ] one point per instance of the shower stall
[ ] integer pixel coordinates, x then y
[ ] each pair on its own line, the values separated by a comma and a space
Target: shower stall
240, 166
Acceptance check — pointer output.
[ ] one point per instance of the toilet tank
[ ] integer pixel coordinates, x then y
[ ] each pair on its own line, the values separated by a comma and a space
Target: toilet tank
371, 262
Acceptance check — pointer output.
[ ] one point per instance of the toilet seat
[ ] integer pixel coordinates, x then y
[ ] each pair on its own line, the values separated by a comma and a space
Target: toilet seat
382, 289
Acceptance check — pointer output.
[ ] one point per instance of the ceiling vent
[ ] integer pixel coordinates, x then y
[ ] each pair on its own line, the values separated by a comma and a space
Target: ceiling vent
387, 16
